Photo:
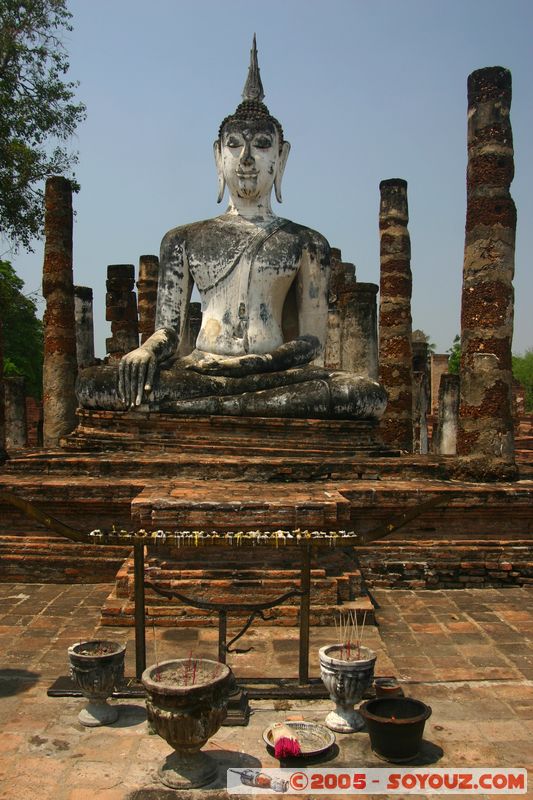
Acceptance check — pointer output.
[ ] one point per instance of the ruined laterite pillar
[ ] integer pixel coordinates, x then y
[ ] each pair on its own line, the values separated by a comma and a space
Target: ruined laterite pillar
192, 329
421, 397
121, 310
83, 313
352, 336
361, 332
147, 295
60, 365
445, 440
438, 366
395, 350
485, 411
15, 412
333, 346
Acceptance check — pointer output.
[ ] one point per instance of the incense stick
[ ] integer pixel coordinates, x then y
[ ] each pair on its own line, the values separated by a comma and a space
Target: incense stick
349, 634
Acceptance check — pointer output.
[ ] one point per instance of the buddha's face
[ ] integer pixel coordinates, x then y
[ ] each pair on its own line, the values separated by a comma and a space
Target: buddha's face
250, 155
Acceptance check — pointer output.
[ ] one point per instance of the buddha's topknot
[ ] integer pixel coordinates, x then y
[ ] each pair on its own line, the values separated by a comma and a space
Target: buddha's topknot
252, 108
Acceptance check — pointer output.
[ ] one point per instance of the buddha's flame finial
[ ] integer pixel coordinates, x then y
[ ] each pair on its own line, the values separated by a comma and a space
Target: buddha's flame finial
253, 88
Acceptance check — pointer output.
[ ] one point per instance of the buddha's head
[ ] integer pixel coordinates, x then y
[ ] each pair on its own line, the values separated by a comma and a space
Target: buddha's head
250, 151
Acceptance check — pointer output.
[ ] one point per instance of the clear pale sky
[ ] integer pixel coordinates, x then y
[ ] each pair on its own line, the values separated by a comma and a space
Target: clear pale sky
364, 89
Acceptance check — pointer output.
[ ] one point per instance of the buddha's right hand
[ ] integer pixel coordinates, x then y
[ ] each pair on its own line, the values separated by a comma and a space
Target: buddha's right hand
291, 354
135, 376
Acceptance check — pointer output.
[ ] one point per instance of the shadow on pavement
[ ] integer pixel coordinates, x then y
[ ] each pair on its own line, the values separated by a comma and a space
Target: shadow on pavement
129, 715
15, 681
226, 759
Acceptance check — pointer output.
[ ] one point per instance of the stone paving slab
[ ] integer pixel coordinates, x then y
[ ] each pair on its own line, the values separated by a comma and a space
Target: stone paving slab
467, 653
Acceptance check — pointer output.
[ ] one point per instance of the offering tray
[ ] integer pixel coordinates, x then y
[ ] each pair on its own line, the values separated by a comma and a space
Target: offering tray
314, 738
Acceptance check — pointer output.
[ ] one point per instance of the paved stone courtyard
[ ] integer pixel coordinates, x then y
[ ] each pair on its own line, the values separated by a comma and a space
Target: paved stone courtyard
467, 653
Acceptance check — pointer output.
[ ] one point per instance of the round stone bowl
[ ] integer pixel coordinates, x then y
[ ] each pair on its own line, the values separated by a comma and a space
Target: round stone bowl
395, 726
97, 668
346, 682
387, 687
186, 704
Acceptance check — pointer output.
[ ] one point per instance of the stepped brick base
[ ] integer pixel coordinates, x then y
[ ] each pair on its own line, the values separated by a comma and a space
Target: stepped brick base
29, 553
138, 430
232, 506
467, 509
466, 563
35, 558
248, 575
153, 472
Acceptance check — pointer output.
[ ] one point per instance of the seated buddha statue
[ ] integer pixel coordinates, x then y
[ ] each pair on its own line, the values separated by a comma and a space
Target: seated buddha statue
243, 263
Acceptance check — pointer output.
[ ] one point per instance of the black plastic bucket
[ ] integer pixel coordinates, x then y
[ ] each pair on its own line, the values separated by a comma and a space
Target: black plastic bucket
395, 726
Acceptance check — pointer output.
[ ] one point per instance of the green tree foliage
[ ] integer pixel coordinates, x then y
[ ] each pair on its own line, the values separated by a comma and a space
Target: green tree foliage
37, 111
455, 356
22, 331
523, 373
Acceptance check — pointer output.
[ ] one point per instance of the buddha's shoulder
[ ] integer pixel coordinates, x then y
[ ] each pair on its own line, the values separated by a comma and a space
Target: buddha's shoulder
307, 236
189, 232
200, 233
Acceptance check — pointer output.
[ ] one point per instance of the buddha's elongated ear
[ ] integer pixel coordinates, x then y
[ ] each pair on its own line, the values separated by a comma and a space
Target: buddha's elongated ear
220, 172
283, 156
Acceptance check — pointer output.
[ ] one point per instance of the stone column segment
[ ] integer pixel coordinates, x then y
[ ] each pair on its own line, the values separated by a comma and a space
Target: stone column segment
352, 340
395, 327
420, 396
445, 440
60, 365
15, 405
360, 332
333, 346
34, 422
192, 329
438, 366
121, 310
485, 411
147, 295
83, 313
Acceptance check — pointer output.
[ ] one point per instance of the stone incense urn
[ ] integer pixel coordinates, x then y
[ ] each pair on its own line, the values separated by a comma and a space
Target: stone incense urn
186, 704
97, 668
346, 678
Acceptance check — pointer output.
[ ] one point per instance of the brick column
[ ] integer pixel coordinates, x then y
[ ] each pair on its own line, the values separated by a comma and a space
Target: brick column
147, 294
83, 313
60, 366
121, 310
395, 350
15, 405
485, 412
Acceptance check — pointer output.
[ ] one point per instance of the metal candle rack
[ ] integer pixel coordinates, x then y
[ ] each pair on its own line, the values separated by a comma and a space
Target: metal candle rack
304, 540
